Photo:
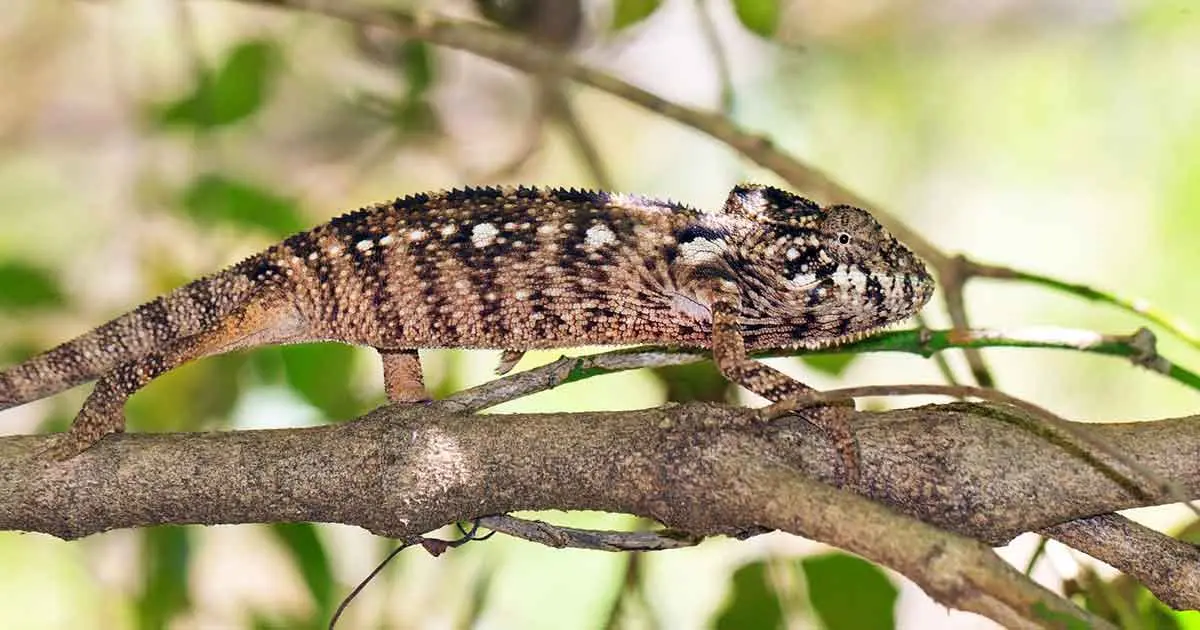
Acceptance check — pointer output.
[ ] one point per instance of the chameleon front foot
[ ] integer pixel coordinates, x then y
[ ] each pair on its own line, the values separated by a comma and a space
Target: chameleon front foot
834, 420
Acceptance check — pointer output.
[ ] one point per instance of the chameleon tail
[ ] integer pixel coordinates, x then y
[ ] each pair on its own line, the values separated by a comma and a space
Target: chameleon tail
185, 311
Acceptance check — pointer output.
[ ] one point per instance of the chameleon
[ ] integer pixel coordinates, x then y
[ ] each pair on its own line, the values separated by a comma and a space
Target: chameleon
515, 269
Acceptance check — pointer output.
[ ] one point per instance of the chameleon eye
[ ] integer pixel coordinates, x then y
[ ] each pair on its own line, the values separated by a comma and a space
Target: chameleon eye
850, 234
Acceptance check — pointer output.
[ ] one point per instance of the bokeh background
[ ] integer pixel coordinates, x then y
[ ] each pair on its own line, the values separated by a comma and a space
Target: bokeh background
147, 142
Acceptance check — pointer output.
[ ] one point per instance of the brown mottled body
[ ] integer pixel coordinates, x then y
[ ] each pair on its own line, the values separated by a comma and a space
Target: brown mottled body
514, 269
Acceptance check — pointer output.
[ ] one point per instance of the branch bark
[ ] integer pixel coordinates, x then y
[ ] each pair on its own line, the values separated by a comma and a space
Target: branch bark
975, 470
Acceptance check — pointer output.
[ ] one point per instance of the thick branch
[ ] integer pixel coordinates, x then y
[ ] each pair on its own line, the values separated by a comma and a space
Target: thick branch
702, 469
973, 469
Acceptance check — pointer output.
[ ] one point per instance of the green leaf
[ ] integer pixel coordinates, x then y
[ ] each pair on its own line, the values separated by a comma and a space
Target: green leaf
760, 16
24, 287
694, 382
308, 554
166, 562
1187, 619
417, 65
191, 397
831, 364
1058, 619
849, 593
235, 91
626, 13
754, 603
323, 374
212, 198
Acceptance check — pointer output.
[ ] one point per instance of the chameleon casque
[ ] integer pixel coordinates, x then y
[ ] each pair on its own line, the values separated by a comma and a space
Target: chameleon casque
514, 269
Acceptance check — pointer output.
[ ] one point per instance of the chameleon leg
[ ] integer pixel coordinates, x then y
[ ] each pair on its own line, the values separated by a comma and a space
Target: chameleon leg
258, 323
402, 378
508, 361
729, 353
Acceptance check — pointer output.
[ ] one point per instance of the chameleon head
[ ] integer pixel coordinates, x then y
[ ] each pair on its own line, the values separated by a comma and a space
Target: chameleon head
835, 274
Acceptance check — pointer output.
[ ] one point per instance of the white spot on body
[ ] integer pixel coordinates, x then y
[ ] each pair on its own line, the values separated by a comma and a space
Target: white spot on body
483, 234
547, 228
599, 235
792, 253
852, 277
364, 245
804, 279
701, 250
312, 256
521, 294
448, 230
334, 250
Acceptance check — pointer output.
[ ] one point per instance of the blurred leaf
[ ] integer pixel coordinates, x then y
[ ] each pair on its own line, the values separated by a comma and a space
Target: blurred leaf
272, 621
18, 351
753, 603
235, 91
849, 593
760, 16
1187, 619
481, 592
414, 114
417, 65
323, 374
831, 364
213, 198
166, 560
1121, 600
416, 118
183, 398
1059, 620
308, 553
24, 287
557, 24
694, 382
626, 13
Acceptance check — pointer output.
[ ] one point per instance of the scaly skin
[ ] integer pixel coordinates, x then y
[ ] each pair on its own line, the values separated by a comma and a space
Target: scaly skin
516, 269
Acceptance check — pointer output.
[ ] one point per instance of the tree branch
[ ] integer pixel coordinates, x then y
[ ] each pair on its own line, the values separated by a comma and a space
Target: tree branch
702, 469
1169, 568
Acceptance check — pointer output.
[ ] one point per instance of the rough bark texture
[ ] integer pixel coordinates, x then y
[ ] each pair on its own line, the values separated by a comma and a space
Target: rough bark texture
968, 468
976, 471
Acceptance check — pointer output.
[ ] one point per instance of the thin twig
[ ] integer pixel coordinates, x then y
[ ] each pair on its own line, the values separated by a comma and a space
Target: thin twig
597, 540
708, 30
1138, 307
337, 614
558, 105
939, 359
1138, 348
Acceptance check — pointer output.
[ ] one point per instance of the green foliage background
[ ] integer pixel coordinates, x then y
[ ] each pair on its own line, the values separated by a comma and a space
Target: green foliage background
142, 144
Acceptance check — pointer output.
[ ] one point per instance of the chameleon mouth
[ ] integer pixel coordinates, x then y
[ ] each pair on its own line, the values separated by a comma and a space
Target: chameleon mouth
823, 343
922, 291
